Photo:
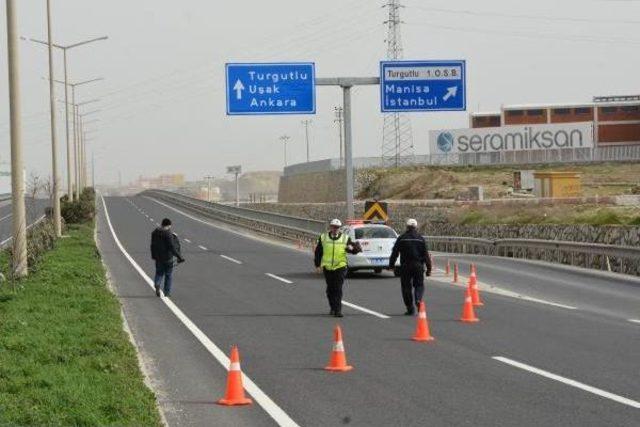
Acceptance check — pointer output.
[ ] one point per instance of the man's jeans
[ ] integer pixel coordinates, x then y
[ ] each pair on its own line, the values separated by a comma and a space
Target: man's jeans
164, 269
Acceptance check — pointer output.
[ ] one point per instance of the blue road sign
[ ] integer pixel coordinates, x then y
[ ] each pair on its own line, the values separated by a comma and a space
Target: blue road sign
407, 86
271, 88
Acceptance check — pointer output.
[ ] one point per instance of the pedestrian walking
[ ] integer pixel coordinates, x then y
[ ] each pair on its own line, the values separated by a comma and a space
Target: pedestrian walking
165, 248
331, 258
412, 249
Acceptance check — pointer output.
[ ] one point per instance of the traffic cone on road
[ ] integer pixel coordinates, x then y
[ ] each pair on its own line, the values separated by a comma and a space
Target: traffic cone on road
468, 313
475, 293
473, 279
447, 270
422, 327
235, 391
455, 272
338, 360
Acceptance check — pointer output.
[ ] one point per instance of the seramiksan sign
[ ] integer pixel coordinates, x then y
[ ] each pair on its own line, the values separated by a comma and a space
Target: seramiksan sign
512, 138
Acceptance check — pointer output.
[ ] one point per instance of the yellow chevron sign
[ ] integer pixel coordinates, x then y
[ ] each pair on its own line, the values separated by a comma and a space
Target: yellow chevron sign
375, 211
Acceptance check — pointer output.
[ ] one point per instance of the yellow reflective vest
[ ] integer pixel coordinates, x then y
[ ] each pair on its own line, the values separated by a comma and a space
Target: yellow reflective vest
334, 252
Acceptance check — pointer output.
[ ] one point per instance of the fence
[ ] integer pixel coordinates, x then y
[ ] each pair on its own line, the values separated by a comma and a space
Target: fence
568, 155
622, 259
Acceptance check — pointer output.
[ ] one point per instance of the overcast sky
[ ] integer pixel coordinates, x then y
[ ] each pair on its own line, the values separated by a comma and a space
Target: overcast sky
163, 102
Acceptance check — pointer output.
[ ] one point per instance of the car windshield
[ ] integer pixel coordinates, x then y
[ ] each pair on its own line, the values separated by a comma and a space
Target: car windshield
375, 233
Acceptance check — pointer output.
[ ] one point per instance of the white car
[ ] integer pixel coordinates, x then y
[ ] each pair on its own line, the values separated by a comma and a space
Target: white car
377, 242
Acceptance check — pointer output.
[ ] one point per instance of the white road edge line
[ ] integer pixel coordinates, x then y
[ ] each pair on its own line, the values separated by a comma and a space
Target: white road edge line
365, 310
203, 248
504, 292
282, 279
634, 320
568, 381
354, 306
228, 258
261, 398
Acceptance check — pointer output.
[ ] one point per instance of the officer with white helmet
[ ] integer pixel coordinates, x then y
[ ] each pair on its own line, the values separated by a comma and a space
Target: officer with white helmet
331, 258
412, 249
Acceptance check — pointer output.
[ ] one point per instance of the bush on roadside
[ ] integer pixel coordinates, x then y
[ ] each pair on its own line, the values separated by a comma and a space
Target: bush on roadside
81, 210
41, 238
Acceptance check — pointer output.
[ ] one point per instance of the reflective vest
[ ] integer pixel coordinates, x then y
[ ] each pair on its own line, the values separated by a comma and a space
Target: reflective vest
334, 252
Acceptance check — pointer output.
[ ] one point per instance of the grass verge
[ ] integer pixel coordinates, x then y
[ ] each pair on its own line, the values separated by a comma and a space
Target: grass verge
64, 357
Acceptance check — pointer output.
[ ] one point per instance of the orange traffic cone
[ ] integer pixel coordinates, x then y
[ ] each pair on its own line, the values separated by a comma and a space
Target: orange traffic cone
448, 268
422, 327
338, 360
433, 261
235, 392
468, 314
475, 293
455, 272
473, 279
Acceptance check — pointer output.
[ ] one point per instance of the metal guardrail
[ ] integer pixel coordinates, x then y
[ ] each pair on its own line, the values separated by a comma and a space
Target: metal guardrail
622, 259
288, 227
4, 197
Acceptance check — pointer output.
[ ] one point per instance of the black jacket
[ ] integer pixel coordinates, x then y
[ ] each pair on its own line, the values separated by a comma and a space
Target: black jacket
165, 245
352, 248
412, 249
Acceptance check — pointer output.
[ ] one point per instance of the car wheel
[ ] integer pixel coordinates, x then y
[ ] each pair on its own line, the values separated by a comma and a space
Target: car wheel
349, 273
377, 270
396, 272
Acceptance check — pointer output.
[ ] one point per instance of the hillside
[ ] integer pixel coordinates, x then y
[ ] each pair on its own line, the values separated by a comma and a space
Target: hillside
422, 182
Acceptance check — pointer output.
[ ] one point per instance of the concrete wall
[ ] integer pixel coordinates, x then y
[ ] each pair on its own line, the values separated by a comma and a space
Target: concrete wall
327, 186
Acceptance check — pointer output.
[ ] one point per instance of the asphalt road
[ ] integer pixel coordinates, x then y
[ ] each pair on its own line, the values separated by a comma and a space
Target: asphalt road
34, 208
567, 355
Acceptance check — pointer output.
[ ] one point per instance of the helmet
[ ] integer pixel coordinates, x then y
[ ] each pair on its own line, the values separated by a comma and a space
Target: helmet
335, 223
412, 222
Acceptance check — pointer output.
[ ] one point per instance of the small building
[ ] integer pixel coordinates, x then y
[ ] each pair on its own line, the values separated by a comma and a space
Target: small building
557, 184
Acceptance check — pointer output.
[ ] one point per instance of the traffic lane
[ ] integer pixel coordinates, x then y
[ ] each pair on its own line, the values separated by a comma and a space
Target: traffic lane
34, 210
186, 378
611, 295
247, 316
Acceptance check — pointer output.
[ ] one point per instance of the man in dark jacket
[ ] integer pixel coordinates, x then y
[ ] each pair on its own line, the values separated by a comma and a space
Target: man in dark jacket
413, 258
164, 247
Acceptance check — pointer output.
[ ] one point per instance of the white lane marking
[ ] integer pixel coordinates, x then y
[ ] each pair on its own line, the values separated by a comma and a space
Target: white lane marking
260, 397
203, 248
187, 240
365, 310
152, 219
484, 287
354, 306
570, 382
282, 279
634, 320
228, 258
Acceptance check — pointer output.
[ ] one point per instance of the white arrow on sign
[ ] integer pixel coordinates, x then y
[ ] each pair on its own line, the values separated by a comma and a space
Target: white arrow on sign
452, 91
238, 87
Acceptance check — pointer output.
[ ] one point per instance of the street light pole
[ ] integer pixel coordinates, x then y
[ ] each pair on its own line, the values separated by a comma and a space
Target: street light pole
19, 266
208, 178
285, 139
306, 124
57, 221
70, 165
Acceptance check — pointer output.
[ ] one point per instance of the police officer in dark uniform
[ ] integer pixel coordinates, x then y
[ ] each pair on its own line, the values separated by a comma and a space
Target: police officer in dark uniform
331, 258
414, 256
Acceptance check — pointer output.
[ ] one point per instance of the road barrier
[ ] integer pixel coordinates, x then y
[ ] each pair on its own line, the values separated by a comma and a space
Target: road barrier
621, 259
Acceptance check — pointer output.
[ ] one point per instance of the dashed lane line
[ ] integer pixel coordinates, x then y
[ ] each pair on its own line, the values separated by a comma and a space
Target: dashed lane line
365, 310
282, 279
279, 416
228, 258
634, 320
187, 240
203, 248
568, 381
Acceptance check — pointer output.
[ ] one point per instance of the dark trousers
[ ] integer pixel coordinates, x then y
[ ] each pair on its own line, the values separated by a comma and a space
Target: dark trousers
335, 280
412, 283
164, 270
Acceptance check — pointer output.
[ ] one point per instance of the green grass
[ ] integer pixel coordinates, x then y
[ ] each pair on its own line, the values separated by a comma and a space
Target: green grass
64, 358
